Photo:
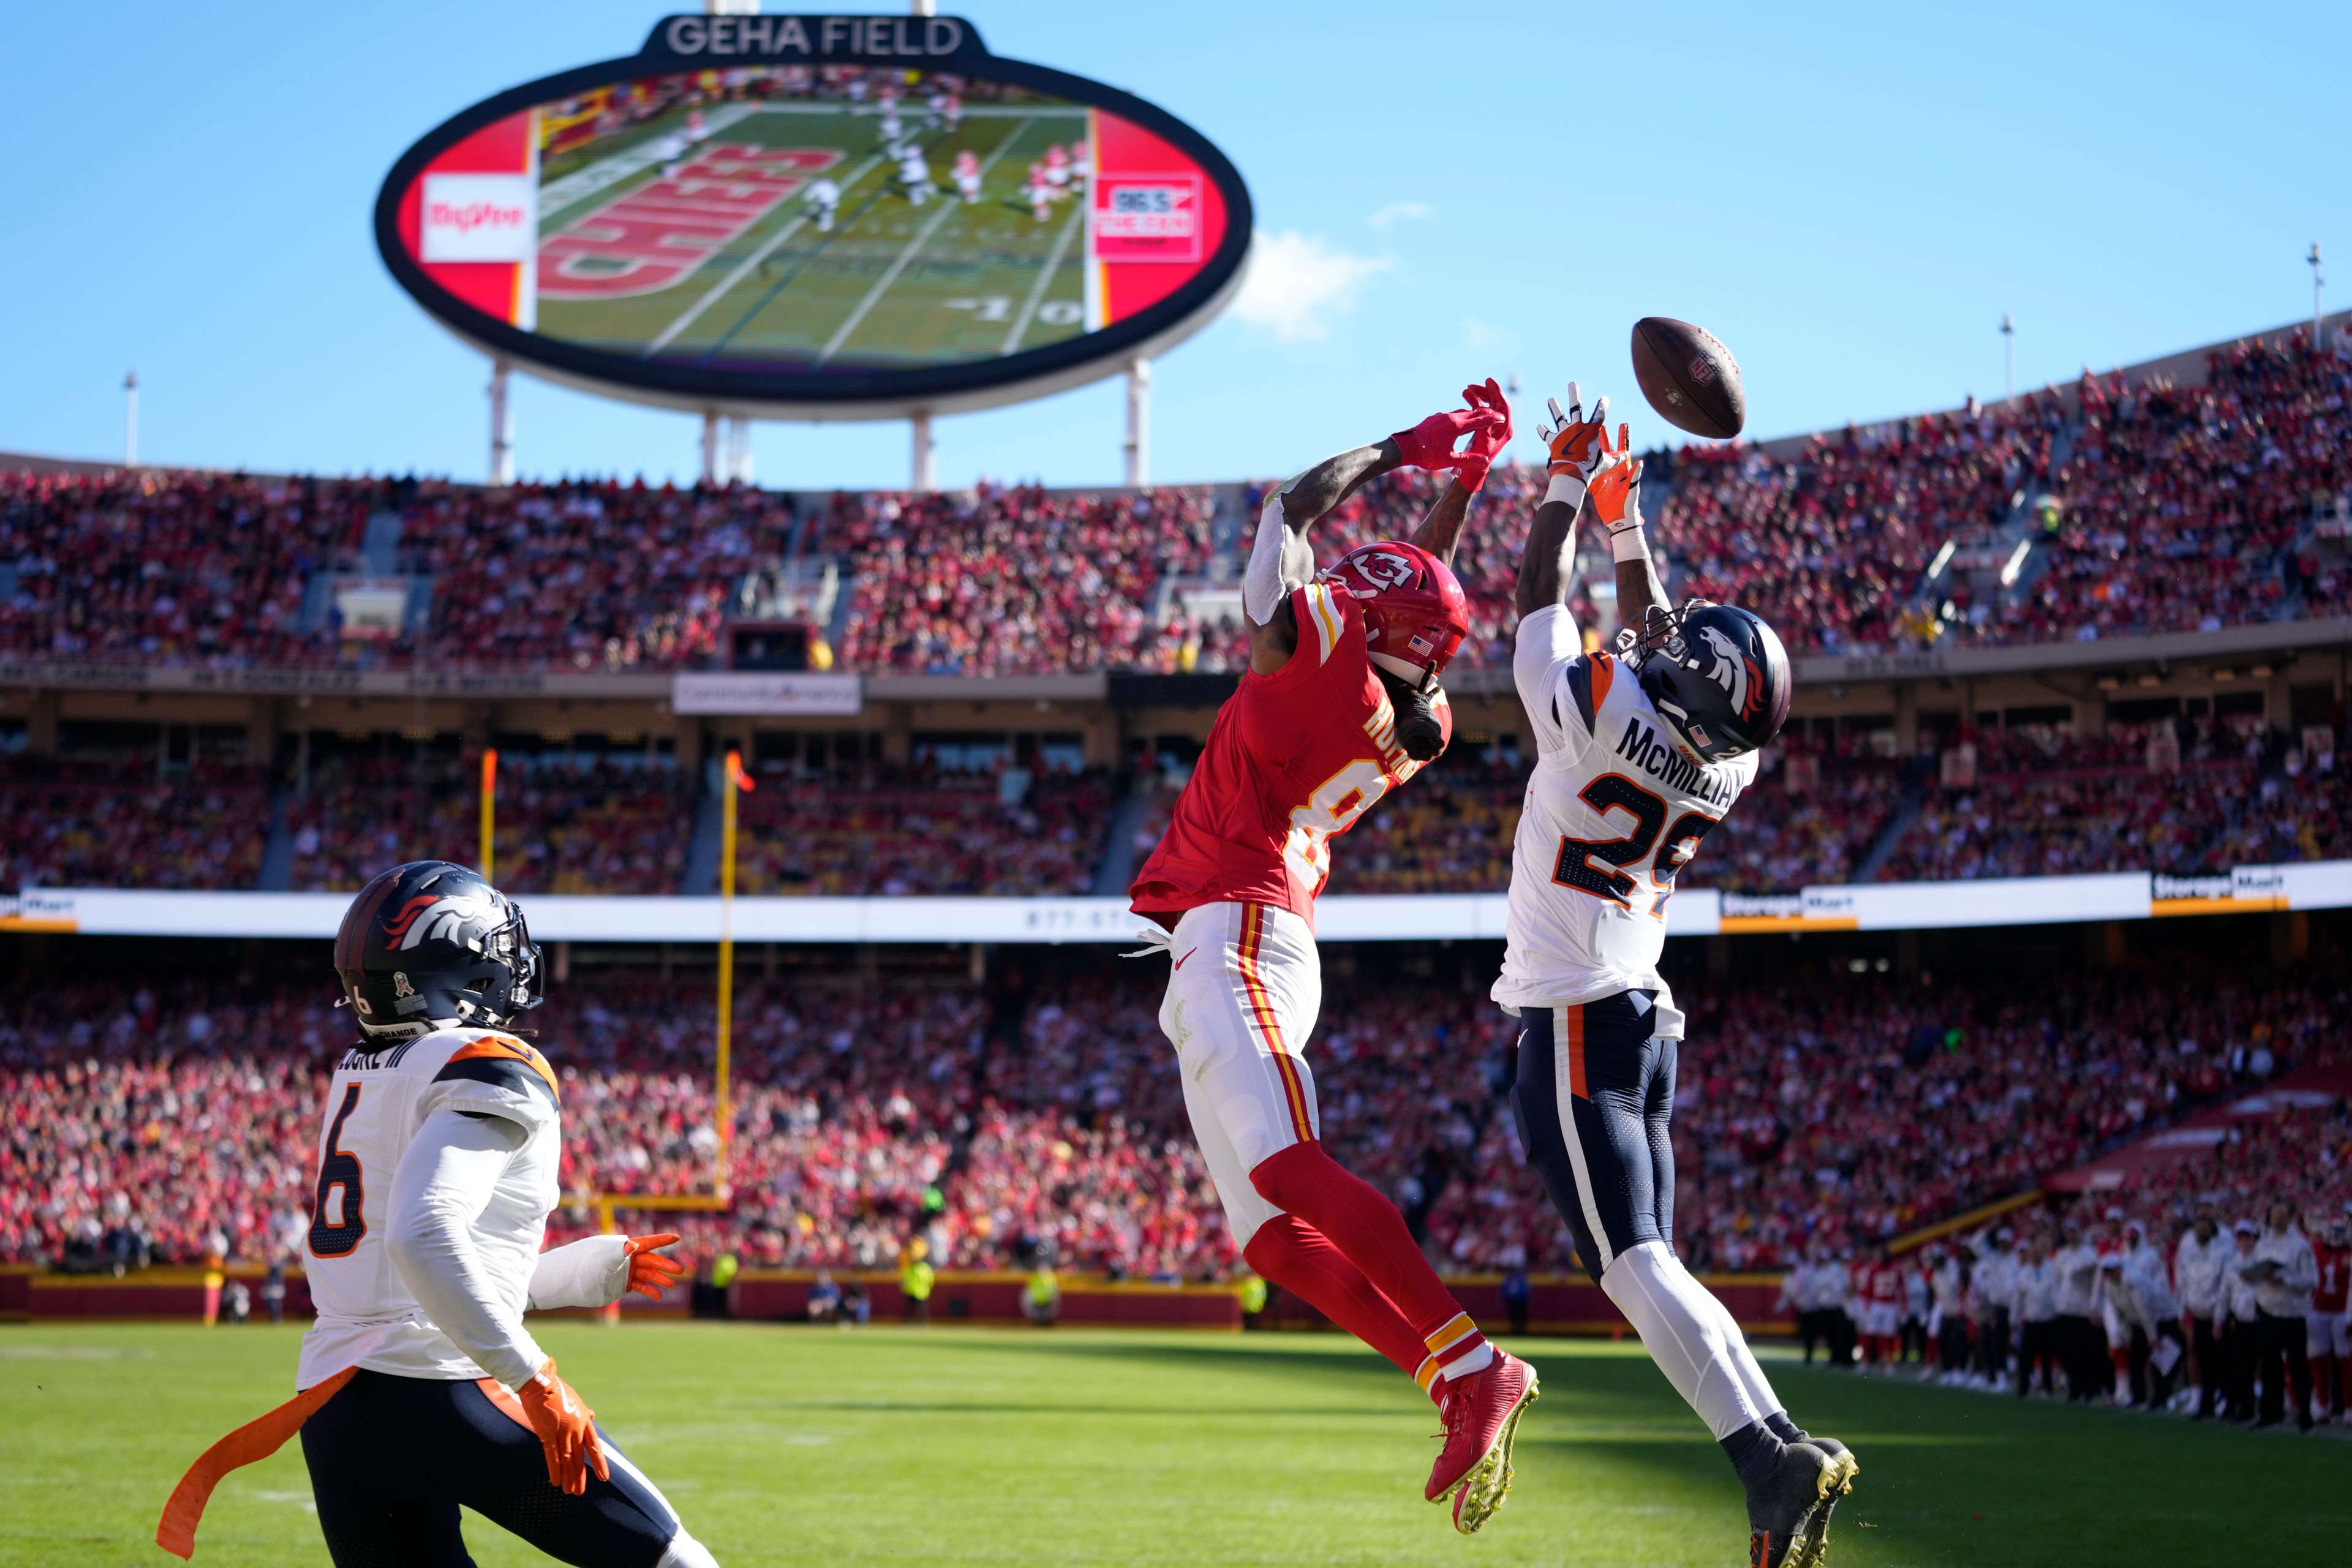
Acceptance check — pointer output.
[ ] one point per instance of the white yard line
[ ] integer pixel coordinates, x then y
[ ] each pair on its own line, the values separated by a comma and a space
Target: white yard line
743, 269
922, 236
1053, 265
604, 173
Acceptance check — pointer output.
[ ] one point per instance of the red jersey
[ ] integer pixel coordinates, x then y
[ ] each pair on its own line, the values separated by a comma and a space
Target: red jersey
2335, 1276
1885, 1283
1293, 760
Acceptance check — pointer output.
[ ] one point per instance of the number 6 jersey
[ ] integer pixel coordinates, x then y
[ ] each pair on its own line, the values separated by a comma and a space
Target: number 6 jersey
1613, 812
378, 1098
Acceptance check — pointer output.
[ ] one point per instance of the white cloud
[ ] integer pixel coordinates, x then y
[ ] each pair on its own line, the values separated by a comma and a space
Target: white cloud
1395, 211
1296, 282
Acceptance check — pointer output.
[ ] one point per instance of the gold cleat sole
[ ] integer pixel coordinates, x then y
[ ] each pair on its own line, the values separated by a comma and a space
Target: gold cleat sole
1815, 1546
1481, 1493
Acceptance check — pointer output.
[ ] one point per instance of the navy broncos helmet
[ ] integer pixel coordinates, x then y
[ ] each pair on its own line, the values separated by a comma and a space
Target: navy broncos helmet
429, 944
1718, 675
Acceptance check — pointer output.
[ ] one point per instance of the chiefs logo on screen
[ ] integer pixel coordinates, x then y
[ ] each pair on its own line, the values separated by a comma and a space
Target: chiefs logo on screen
428, 919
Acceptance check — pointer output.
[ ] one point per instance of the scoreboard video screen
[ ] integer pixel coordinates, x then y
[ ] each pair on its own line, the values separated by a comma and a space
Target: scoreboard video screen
819, 214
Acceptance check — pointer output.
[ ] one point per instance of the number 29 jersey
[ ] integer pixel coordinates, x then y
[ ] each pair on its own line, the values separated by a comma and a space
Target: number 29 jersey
1612, 813
1293, 760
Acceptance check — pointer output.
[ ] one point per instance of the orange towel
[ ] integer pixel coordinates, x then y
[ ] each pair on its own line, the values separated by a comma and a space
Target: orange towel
257, 1440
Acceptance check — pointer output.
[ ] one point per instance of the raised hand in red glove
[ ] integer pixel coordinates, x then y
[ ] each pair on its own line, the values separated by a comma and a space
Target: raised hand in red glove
1485, 444
1429, 444
649, 1272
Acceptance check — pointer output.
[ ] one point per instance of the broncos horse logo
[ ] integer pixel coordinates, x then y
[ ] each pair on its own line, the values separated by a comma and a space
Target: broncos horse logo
429, 918
1733, 672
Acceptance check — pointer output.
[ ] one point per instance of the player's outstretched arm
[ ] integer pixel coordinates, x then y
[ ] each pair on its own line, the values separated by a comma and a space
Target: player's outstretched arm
1440, 531
1616, 500
1578, 447
1281, 560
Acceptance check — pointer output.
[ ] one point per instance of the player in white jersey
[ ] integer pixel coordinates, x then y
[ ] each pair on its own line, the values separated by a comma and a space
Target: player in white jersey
421, 1389
1640, 752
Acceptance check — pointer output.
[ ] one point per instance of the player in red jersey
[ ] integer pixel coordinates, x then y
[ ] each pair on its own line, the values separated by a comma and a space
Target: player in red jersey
2330, 1335
1340, 704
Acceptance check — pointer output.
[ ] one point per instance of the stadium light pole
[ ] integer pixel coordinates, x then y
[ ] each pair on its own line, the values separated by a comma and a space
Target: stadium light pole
924, 479
130, 420
501, 424
2008, 357
710, 445
1139, 423
2317, 280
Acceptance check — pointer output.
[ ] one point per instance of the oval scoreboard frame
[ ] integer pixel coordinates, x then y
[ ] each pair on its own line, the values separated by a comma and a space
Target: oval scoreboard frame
689, 45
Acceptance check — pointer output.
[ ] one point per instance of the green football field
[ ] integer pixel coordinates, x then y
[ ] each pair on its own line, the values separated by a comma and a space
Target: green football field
892, 284
797, 1446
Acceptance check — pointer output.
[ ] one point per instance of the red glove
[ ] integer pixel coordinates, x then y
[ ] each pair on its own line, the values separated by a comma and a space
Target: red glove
567, 1430
1429, 444
649, 1272
1486, 444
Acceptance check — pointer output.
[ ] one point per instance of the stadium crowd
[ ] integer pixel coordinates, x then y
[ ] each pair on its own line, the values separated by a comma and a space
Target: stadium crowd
2181, 508
565, 826
2152, 506
1830, 544
923, 829
129, 823
1002, 1124
1004, 581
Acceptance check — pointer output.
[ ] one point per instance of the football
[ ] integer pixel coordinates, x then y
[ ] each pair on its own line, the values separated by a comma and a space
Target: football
1689, 377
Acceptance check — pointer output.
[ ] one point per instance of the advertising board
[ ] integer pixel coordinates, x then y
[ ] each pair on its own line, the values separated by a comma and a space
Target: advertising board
817, 218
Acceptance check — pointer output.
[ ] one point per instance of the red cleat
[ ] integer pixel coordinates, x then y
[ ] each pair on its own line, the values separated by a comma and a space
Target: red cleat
1482, 1415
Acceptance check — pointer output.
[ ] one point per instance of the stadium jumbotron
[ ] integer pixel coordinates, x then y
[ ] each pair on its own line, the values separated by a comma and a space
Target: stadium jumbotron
1826, 948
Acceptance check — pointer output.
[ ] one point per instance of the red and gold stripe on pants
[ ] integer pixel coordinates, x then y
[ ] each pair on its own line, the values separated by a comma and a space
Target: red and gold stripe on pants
1269, 1025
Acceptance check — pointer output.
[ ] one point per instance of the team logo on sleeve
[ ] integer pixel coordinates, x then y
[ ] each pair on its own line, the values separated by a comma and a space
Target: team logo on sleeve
1733, 671
428, 919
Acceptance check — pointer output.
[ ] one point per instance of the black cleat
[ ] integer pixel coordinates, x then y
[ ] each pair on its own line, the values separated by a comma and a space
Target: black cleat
1816, 1545
1787, 1510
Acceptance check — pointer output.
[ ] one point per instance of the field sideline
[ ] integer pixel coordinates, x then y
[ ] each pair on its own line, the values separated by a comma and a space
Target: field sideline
790, 1445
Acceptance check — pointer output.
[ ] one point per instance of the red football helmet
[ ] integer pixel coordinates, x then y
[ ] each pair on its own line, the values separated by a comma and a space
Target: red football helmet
1415, 612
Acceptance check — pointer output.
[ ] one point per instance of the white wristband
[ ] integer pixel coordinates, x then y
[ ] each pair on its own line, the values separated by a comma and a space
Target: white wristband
1568, 489
1629, 544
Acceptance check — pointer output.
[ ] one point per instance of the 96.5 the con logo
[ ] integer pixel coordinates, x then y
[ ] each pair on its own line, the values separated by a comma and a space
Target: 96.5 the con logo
1147, 217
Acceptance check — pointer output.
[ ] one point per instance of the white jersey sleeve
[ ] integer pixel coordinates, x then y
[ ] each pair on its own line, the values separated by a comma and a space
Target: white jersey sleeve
1555, 678
446, 1182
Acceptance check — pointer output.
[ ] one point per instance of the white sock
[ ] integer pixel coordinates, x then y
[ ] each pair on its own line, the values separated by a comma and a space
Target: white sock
1671, 1311
1463, 1365
1743, 1360
686, 1552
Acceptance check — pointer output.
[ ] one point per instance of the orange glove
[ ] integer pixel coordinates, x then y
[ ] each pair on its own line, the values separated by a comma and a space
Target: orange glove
1616, 500
649, 1272
567, 1430
1579, 445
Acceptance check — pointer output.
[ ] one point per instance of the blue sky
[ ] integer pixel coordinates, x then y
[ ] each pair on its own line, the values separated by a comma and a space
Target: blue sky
1851, 198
